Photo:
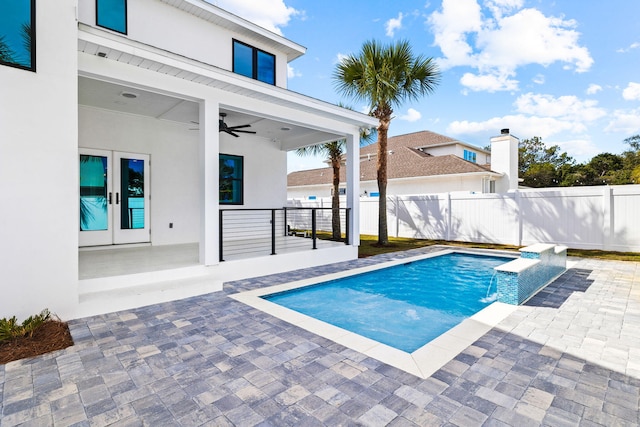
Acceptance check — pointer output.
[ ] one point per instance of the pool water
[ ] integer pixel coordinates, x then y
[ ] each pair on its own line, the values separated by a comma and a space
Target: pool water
405, 306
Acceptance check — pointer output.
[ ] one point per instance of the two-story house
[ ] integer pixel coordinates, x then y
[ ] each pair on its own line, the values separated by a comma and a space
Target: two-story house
132, 132
423, 163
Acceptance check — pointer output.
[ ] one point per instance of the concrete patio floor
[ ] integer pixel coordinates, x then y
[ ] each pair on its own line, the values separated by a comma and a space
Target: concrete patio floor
570, 356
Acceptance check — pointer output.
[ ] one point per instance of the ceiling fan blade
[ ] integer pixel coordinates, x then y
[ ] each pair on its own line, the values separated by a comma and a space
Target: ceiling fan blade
239, 127
243, 131
230, 132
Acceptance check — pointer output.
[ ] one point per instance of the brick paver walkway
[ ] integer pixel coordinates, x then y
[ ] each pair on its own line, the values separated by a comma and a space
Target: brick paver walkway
571, 356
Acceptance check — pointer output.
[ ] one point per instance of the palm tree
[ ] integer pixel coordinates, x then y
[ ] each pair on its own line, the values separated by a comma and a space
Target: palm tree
333, 151
385, 76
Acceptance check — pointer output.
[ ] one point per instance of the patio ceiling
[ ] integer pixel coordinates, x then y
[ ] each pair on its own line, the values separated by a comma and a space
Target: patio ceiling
125, 99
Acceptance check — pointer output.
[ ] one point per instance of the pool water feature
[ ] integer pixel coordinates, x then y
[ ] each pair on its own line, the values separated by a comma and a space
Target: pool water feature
404, 306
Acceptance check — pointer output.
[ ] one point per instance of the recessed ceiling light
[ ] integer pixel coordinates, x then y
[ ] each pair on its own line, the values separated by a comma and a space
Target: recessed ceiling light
129, 95
284, 128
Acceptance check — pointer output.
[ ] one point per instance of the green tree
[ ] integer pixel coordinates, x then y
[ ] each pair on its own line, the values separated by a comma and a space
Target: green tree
606, 168
385, 76
542, 166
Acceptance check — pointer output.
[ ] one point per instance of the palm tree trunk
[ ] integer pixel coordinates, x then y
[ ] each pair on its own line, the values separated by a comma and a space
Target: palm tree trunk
383, 236
335, 200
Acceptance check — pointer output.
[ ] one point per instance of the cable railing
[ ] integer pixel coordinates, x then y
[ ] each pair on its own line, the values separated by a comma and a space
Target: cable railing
246, 233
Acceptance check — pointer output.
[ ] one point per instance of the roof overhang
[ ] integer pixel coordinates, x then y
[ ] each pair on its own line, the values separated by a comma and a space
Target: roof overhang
229, 21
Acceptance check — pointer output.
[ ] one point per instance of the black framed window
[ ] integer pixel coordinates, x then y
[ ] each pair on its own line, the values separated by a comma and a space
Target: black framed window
18, 34
231, 179
112, 14
254, 63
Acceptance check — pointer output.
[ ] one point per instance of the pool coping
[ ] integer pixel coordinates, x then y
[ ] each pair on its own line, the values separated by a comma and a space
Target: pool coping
424, 361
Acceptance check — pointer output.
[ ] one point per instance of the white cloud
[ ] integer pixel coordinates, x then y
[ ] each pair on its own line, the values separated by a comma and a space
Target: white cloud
411, 116
539, 79
632, 92
292, 73
510, 38
632, 46
593, 89
520, 124
269, 14
565, 107
393, 24
624, 121
488, 82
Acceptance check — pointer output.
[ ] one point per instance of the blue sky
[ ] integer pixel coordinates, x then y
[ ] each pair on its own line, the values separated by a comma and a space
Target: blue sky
565, 70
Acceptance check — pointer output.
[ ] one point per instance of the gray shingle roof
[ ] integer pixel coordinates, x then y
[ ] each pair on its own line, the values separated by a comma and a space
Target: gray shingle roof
404, 161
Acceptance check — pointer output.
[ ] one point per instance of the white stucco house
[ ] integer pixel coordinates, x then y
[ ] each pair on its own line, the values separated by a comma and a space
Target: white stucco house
122, 178
422, 163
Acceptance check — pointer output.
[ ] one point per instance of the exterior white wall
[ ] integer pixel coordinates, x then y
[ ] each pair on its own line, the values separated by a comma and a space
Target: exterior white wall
198, 39
265, 170
397, 187
173, 149
39, 171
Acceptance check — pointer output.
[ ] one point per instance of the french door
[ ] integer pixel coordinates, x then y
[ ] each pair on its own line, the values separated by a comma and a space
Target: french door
114, 197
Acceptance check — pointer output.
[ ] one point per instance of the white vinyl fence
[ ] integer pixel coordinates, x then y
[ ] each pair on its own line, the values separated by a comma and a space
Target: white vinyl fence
606, 217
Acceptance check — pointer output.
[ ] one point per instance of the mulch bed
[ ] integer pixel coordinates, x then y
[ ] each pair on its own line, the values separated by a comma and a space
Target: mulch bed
52, 335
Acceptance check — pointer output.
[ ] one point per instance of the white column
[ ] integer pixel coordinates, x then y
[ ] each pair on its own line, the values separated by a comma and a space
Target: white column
353, 186
209, 185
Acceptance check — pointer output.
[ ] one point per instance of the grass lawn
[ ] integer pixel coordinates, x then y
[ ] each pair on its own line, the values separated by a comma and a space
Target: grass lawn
369, 247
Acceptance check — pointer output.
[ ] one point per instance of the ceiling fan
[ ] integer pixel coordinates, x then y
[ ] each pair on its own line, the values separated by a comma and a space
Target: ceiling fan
231, 130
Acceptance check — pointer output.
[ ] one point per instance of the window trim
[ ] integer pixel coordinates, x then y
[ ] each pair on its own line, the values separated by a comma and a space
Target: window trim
241, 179
32, 66
254, 61
126, 19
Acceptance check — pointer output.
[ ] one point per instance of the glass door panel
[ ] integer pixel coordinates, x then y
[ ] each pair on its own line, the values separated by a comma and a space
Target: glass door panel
132, 194
132, 198
93, 193
95, 198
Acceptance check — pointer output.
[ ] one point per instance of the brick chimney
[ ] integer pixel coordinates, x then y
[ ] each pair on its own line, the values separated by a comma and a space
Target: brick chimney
504, 159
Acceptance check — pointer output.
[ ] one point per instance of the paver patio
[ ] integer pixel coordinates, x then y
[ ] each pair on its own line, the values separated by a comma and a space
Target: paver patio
570, 356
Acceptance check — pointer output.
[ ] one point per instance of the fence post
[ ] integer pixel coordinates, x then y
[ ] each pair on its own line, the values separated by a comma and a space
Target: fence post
273, 231
220, 228
607, 218
397, 217
313, 227
448, 224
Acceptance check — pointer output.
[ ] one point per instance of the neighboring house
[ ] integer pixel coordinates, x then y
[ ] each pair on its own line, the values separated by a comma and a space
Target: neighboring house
111, 138
420, 163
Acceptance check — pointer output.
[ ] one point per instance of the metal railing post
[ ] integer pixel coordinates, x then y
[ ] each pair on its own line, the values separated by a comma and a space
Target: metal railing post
313, 228
346, 225
273, 231
221, 227
286, 230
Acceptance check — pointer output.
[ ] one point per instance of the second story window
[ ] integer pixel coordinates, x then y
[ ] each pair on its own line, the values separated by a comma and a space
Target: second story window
17, 34
470, 156
112, 14
254, 63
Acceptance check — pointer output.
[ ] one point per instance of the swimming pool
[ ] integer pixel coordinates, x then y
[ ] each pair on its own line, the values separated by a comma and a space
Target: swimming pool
404, 306
422, 362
